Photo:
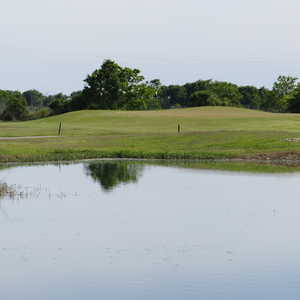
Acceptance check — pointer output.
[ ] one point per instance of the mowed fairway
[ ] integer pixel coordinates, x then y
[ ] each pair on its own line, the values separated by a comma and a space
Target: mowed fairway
207, 132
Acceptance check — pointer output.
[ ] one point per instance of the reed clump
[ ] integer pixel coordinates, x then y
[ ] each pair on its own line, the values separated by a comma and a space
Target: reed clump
7, 191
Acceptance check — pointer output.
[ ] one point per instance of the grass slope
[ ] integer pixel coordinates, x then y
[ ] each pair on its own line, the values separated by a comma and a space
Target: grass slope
207, 132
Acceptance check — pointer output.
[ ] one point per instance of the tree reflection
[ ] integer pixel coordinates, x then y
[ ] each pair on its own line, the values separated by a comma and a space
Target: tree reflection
111, 174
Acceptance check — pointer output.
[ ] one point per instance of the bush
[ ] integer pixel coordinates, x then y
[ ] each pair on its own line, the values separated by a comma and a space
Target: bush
59, 106
16, 109
39, 114
204, 98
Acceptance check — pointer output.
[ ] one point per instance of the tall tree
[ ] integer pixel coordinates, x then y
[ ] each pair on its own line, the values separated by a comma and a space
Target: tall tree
114, 87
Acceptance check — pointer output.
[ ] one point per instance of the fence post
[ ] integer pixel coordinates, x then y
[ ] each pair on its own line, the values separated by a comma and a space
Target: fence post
59, 128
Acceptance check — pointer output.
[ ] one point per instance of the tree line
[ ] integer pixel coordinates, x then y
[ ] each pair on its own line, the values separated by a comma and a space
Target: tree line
122, 88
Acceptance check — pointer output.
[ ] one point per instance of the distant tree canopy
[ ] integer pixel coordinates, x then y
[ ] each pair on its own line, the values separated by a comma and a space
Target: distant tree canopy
114, 87
201, 93
30, 104
216, 93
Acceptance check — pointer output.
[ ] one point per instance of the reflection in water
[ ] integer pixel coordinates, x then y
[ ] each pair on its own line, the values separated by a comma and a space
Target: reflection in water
7, 191
111, 174
181, 234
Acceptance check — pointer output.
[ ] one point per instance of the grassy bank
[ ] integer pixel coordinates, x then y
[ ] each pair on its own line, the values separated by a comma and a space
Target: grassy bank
207, 133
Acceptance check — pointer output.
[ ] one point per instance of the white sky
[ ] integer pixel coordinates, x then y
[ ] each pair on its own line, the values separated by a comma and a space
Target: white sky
51, 45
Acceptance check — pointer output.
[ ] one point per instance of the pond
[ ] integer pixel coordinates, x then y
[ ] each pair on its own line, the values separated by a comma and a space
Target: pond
132, 230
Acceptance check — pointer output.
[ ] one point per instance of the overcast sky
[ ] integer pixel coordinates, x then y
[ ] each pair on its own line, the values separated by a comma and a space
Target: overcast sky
51, 45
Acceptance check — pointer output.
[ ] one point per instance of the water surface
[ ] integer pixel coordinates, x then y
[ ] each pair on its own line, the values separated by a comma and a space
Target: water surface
126, 230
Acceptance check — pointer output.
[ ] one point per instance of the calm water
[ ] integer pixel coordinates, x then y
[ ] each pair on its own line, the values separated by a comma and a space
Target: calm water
110, 230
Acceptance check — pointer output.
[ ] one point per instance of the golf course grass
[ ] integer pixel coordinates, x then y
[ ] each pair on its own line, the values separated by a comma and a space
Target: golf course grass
206, 133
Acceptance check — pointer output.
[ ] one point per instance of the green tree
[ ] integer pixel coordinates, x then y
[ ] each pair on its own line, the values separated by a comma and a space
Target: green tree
293, 100
156, 84
113, 87
284, 85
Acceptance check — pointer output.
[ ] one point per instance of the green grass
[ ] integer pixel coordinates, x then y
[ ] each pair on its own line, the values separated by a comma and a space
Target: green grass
208, 132
236, 166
